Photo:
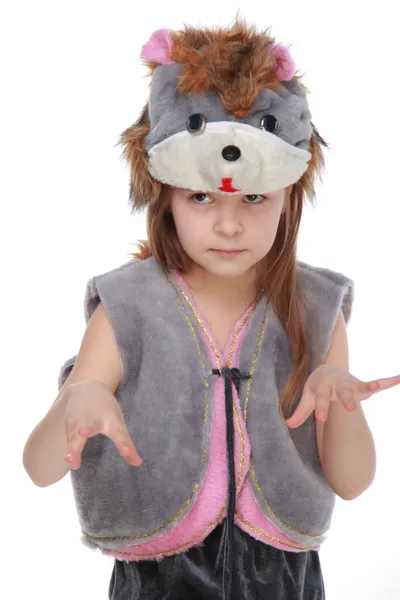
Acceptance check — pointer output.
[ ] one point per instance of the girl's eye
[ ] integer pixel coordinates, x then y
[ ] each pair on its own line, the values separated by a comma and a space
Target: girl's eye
198, 198
203, 198
255, 198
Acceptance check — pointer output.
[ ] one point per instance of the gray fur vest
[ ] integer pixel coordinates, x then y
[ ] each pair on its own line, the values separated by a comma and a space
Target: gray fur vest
166, 395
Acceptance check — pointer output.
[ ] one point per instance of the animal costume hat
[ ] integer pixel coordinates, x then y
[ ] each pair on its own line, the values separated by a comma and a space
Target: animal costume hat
226, 114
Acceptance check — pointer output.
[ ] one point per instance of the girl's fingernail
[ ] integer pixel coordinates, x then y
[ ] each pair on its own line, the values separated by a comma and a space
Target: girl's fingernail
321, 416
69, 457
351, 406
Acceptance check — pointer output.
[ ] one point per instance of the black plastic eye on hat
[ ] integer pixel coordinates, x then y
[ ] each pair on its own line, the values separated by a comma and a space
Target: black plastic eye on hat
231, 153
269, 123
196, 123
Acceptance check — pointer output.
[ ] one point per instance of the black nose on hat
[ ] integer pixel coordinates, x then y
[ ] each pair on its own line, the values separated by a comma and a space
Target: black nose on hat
231, 153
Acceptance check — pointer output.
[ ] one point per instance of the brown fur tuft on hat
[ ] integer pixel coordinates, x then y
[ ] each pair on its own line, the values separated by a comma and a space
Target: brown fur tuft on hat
144, 189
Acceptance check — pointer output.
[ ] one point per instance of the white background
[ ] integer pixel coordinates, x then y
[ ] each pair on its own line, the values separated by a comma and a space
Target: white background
71, 82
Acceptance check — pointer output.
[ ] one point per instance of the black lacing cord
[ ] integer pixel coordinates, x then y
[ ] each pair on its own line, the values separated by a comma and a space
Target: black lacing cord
226, 545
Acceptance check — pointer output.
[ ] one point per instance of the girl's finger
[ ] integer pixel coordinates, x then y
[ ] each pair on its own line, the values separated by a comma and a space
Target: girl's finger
77, 438
386, 382
74, 451
303, 410
124, 444
322, 405
365, 390
347, 398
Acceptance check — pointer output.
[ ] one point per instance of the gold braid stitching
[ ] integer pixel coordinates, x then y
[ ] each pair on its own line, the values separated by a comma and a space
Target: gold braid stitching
200, 535
175, 550
253, 474
252, 470
270, 537
232, 349
253, 366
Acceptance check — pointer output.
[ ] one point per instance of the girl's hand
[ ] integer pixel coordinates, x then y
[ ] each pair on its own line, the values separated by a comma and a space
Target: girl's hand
329, 383
92, 409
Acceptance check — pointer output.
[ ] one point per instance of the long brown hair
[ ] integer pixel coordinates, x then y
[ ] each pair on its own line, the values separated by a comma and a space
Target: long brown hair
277, 273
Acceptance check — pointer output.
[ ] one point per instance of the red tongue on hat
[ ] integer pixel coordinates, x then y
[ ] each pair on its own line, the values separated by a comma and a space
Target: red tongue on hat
227, 185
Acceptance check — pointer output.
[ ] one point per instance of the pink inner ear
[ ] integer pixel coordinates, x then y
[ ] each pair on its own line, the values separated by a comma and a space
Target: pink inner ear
285, 67
158, 48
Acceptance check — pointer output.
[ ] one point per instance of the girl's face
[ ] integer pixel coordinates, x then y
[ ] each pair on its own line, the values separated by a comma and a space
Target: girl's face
207, 223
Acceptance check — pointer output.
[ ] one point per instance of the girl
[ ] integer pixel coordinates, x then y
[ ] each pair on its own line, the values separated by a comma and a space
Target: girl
209, 419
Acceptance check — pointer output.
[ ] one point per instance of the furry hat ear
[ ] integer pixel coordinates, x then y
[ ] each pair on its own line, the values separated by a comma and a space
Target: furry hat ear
158, 48
144, 189
285, 67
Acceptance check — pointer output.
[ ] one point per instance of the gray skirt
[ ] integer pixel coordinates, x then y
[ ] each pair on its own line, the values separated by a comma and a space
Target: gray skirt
260, 572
